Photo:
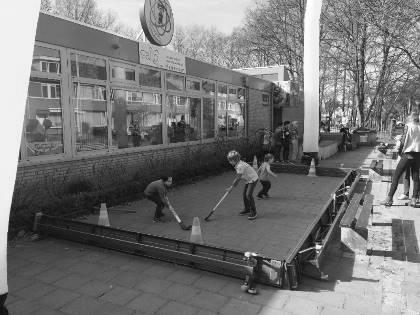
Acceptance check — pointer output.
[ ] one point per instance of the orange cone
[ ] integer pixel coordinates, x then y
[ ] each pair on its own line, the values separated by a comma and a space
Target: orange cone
312, 169
255, 163
103, 216
196, 236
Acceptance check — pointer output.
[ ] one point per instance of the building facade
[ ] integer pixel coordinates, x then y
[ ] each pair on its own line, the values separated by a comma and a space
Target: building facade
92, 101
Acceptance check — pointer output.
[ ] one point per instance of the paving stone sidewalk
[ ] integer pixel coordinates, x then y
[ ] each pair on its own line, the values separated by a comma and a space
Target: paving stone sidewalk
53, 276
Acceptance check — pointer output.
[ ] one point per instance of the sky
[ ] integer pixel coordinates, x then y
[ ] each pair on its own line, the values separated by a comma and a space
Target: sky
222, 14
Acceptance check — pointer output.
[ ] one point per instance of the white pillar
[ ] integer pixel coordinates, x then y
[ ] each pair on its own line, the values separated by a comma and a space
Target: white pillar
17, 28
311, 75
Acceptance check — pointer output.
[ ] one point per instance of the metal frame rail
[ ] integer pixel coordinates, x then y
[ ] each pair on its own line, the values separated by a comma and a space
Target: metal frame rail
278, 273
306, 258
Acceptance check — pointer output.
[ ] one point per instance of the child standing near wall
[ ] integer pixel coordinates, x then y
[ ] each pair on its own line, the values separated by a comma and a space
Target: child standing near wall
249, 175
263, 173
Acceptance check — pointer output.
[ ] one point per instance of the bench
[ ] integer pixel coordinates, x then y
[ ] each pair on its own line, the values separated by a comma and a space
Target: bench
354, 224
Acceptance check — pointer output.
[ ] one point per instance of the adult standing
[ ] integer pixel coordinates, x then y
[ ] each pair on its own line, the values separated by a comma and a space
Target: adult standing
285, 140
294, 140
277, 142
410, 157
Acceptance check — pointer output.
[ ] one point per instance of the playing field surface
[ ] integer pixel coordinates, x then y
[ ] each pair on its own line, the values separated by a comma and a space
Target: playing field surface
296, 201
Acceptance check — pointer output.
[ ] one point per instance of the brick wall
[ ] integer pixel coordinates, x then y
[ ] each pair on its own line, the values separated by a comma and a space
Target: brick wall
110, 169
259, 115
295, 112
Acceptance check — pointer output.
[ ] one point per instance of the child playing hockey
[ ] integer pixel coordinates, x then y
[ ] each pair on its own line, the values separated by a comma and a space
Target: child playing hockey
249, 175
263, 173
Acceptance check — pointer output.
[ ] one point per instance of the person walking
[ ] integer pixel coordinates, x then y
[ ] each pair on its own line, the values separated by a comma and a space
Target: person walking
410, 157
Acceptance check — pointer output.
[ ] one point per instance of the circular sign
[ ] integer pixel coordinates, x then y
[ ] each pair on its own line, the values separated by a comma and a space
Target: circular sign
157, 21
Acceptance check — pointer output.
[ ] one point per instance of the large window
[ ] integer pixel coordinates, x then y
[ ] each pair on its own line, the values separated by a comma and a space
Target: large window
90, 113
230, 111
208, 118
43, 118
235, 121
88, 67
184, 118
150, 78
136, 118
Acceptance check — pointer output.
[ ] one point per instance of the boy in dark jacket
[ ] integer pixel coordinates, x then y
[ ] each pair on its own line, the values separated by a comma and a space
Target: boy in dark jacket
157, 192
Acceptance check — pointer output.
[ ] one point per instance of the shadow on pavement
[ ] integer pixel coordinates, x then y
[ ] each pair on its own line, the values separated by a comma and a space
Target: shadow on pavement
405, 245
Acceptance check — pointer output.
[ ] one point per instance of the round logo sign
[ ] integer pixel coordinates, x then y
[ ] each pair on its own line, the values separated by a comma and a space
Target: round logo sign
157, 21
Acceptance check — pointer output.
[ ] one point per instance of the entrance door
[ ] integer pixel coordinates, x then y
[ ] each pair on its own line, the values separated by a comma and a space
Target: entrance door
277, 116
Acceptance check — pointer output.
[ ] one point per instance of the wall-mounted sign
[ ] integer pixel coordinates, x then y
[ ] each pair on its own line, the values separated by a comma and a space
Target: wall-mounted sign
161, 58
157, 21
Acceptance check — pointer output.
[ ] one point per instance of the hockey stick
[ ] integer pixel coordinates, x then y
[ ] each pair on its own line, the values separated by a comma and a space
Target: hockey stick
181, 224
218, 204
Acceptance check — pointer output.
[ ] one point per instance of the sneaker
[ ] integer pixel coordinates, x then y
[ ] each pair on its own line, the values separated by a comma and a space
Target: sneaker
413, 202
387, 202
157, 220
244, 212
252, 216
260, 197
267, 196
403, 197
252, 291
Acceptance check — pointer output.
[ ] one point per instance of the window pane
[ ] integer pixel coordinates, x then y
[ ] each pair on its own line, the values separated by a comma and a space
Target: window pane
241, 93
193, 85
45, 91
121, 73
175, 82
183, 118
236, 119
221, 118
90, 113
149, 77
265, 98
136, 119
222, 90
52, 91
208, 118
46, 60
53, 67
43, 120
232, 92
88, 67
209, 87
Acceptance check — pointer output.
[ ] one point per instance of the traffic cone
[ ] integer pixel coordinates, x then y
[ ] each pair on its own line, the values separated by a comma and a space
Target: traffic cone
312, 169
255, 163
196, 236
103, 216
